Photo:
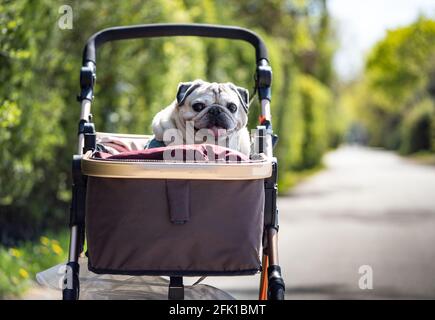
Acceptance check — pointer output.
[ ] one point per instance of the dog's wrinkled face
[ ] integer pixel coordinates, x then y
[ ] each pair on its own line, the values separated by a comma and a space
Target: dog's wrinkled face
219, 107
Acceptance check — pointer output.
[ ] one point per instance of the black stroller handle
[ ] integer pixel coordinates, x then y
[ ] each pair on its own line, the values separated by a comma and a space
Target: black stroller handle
172, 29
263, 78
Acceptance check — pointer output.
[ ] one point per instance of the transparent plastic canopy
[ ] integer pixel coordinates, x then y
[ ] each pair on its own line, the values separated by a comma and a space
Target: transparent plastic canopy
118, 287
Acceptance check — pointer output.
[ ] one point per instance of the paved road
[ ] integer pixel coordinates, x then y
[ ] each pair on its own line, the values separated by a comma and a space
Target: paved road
369, 207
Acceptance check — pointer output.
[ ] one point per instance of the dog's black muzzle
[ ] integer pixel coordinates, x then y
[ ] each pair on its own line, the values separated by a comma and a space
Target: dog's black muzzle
217, 117
215, 110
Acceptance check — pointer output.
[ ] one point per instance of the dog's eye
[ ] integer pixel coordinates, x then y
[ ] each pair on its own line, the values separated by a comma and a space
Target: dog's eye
232, 107
198, 106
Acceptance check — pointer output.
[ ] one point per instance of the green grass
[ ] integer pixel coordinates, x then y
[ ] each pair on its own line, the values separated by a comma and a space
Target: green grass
423, 157
19, 265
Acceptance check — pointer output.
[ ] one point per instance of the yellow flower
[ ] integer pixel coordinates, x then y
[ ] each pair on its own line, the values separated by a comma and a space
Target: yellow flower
23, 273
56, 248
15, 252
44, 240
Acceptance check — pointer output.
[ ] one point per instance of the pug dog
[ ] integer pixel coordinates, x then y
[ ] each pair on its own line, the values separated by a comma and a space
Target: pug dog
205, 112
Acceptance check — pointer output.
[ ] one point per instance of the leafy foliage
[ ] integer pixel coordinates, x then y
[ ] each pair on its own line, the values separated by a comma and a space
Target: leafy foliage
394, 99
417, 128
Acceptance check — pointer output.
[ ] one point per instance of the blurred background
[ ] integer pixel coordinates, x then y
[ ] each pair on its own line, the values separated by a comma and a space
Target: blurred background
353, 80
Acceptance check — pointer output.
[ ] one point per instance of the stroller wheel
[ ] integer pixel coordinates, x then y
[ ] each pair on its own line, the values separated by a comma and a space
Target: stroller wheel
71, 282
276, 284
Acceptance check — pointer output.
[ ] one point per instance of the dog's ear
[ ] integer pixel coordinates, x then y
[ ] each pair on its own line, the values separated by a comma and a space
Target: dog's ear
182, 89
185, 89
243, 95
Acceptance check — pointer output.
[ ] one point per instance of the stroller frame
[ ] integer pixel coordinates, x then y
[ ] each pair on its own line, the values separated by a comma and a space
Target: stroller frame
271, 283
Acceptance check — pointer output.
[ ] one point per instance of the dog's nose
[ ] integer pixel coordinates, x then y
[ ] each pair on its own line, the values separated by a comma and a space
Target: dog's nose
215, 110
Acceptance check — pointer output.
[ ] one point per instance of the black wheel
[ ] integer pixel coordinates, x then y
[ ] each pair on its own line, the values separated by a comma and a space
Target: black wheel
276, 287
276, 290
71, 282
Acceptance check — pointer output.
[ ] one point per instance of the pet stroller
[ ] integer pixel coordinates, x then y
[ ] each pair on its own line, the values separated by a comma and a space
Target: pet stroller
172, 218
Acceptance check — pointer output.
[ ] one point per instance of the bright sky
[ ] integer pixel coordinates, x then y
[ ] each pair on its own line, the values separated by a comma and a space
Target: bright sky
361, 23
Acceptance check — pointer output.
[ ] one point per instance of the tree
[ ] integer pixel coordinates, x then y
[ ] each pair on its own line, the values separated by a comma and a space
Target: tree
397, 104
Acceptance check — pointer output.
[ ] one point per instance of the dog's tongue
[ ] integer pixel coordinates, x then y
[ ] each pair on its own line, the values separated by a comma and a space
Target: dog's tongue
216, 130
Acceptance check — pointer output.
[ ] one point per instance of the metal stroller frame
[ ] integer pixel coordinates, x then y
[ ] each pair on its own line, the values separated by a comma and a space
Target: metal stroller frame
271, 284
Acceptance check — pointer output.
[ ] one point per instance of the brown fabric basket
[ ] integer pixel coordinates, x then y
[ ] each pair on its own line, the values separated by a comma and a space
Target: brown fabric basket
174, 227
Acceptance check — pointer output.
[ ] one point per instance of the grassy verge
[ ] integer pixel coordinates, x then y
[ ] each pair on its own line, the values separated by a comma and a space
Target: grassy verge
292, 178
19, 265
426, 158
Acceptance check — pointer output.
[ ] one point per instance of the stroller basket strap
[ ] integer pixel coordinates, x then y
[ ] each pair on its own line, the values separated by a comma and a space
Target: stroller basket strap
178, 193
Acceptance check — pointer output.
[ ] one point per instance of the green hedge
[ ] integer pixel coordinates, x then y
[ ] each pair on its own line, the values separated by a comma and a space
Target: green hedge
309, 124
418, 128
